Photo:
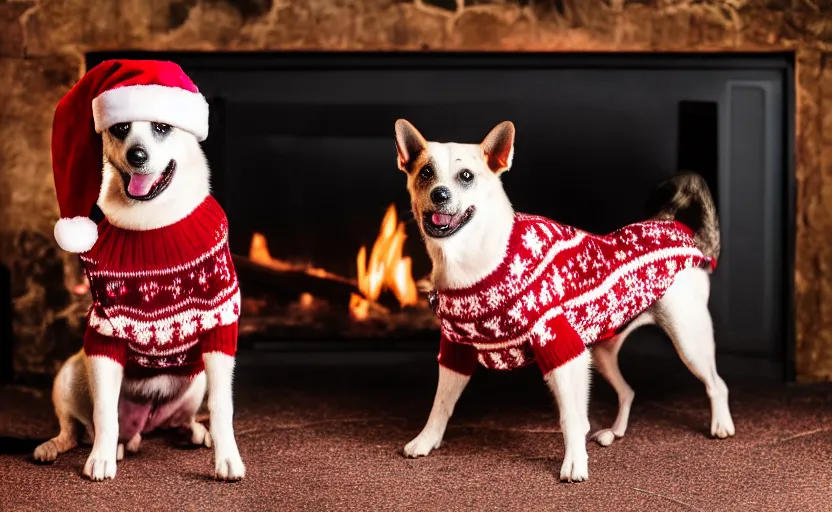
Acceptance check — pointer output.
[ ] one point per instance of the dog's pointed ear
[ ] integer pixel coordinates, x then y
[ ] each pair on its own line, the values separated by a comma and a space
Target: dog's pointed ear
409, 143
498, 147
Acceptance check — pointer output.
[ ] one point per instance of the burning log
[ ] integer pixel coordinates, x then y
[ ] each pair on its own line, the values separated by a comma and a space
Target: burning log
284, 299
290, 283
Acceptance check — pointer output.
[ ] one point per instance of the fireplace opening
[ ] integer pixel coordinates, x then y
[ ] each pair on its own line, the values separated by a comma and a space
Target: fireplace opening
303, 161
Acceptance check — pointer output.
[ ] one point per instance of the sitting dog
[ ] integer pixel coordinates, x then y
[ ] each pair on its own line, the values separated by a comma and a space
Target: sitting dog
162, 328
512, 288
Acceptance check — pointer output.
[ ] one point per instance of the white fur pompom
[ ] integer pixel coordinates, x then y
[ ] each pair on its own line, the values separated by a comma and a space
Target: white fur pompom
76, 235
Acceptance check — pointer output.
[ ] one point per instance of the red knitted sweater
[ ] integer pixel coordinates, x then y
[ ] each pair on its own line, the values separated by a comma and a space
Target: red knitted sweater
163, 297
559, 289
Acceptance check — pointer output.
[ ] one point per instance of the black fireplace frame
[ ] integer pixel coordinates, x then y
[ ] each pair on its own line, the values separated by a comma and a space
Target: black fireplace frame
782, 62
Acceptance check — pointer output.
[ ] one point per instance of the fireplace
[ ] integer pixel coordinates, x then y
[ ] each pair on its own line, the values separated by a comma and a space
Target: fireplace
303, 160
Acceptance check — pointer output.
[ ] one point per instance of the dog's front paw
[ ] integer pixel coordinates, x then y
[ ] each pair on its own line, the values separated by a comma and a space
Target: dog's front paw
47, 452
100, 467
422, 445
722, 427
575, 468
229, 468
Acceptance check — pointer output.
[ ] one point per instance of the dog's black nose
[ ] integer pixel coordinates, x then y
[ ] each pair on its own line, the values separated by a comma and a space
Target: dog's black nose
136, 156
440, 195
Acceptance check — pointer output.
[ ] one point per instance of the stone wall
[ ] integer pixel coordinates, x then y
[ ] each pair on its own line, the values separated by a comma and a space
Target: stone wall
42, 54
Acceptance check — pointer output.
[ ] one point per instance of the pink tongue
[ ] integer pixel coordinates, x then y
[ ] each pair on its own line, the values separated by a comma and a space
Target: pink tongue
140, 184
441, 219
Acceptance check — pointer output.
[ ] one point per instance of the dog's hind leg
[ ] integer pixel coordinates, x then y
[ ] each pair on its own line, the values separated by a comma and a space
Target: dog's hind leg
683, 313
570, 385
605, 356
181, 413
66, 440
70, 397
448, 390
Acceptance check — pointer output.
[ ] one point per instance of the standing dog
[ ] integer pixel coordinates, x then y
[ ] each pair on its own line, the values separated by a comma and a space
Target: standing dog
512, 288
163, 325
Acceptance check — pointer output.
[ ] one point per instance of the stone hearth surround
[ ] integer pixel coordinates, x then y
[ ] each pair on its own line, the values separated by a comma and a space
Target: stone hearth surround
42, 54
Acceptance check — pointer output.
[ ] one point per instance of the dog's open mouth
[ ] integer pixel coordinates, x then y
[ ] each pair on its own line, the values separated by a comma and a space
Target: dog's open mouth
144, 187
443, 225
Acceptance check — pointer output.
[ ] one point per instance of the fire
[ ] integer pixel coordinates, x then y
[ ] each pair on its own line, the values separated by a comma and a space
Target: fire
387, 268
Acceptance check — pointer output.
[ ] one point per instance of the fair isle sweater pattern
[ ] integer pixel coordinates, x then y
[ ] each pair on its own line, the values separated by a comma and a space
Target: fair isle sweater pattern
557, 281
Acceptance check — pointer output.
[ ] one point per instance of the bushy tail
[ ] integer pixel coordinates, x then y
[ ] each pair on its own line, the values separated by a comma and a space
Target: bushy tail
687, 199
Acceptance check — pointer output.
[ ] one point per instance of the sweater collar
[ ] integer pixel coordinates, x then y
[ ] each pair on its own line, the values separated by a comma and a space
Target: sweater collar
497, 275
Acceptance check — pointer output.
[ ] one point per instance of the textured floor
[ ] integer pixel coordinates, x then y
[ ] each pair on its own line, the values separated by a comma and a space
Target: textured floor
329, 439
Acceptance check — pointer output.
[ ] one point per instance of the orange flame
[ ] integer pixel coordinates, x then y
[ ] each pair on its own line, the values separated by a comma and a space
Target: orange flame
387, 268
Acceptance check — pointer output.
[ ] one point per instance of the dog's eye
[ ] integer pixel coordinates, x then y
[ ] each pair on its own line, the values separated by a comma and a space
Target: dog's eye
426, 173
120, 130
466, 176
160, 128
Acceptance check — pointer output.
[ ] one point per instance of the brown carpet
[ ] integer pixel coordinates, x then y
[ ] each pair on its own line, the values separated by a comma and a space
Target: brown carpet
323, 439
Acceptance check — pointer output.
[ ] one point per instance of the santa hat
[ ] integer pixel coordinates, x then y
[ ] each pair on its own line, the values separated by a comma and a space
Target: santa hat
115, 91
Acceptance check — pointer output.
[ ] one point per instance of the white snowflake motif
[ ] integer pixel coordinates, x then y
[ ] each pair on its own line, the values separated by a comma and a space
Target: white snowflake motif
516, 312
652, 272
517, 267
671, 266
493, 297
620, 255
541, 334
532, 242
530, 301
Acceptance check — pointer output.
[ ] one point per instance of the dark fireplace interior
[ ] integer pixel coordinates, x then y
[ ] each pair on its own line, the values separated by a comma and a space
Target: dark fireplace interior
303, 160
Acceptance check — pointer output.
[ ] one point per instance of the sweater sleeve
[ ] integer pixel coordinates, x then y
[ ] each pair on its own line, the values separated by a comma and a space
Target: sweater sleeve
222, 339
458, 357
558, 348
98, 345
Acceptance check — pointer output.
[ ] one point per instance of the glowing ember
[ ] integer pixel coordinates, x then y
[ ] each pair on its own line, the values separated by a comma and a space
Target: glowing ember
306, 300
387, 268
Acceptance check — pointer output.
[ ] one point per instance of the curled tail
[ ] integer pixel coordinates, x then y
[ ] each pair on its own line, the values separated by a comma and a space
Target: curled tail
687, 199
